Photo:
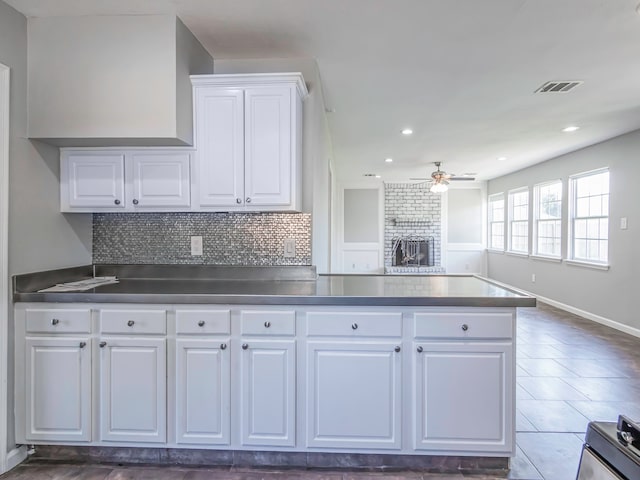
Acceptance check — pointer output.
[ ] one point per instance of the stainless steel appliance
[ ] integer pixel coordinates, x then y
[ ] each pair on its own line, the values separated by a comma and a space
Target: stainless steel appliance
611, 451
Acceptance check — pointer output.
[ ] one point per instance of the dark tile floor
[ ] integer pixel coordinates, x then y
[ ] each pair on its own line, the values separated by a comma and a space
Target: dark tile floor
569, 371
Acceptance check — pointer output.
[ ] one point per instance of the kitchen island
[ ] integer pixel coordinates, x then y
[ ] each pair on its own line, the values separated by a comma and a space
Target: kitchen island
275, 366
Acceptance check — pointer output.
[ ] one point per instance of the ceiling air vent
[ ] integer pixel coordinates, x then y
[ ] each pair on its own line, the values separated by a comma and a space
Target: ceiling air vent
559, 87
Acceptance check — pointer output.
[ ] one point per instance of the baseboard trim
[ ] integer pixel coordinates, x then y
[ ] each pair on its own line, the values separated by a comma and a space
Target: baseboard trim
575, 310
591, 316
16, 456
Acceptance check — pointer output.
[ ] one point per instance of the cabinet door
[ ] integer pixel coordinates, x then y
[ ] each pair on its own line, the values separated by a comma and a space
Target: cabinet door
354, 394
268, 146
92, 181
202, 395
268, 393
133, 389
220, 152
160, 179
463, 397
58, 389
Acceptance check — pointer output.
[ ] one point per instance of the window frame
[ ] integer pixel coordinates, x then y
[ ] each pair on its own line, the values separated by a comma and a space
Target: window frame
491, 221
510, 221
536, 219
573, 200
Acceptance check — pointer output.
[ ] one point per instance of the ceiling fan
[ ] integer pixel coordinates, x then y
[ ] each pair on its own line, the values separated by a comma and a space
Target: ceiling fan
440, 179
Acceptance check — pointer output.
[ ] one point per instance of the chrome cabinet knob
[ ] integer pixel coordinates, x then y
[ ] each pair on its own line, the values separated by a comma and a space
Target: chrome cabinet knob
354, 326
201, 323
130, 323
103, 344
238, 200
55, 321
248, 200
397, 349
465, 327
83, 344
419, 349
267, 324
223, 346
116, 201
245, 346
135, 201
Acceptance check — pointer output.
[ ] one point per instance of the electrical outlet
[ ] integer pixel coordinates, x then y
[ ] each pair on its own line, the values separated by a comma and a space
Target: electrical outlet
196, 245
289, 247
623, 223
533, 278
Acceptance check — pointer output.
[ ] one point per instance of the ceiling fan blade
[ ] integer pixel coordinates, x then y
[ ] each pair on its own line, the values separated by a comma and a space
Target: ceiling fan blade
419, 178
457, 179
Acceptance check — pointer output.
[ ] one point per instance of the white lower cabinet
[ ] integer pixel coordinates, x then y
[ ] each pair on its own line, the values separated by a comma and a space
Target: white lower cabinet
133, 389
464, 380
203, 384
462, 396
58, 389
413, 380
268, 392
354, 395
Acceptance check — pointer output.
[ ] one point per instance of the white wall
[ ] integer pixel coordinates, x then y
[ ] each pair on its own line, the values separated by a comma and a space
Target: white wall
317, 151
464, 228
40, 237
191, 58
112, 80
607, 294
361, 215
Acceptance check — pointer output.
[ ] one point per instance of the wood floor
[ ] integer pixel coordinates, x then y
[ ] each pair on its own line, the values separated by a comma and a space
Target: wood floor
570, 371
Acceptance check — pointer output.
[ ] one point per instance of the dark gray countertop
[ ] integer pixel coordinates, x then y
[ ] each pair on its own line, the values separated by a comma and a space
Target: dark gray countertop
203, 285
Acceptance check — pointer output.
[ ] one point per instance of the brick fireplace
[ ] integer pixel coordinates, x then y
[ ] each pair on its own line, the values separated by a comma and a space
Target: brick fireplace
412, 231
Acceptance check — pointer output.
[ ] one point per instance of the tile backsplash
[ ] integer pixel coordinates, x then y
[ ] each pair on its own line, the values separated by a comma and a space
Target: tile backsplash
228, 238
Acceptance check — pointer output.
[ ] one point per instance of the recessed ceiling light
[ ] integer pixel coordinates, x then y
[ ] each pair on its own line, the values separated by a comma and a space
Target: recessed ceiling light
501, 159
388, 160
571, 128
378, 176
407, 131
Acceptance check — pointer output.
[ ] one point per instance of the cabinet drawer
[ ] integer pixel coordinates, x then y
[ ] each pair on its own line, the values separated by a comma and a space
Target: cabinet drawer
204, 322
464, 325
58, 320
268, 322
361, 324
133, 321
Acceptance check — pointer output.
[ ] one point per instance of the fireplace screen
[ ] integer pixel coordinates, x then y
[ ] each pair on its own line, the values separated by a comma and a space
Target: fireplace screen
412, 250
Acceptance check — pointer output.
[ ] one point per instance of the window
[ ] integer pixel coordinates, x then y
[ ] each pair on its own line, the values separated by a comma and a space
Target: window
589, 239
496, 221
548, 217
519, 221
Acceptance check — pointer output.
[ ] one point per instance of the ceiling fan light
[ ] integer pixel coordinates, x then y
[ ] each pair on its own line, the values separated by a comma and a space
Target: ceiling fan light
438, 188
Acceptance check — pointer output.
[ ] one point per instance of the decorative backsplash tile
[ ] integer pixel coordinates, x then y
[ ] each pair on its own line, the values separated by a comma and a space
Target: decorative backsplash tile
228, 238
411, 209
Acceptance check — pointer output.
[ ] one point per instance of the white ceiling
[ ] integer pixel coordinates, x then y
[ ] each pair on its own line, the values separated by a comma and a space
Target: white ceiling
461, 73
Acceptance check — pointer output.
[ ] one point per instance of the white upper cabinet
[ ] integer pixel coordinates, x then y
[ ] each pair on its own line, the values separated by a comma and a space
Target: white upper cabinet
248, 141
247, 157
219, 124
125, 180
160, 179
268, 153
92, 180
